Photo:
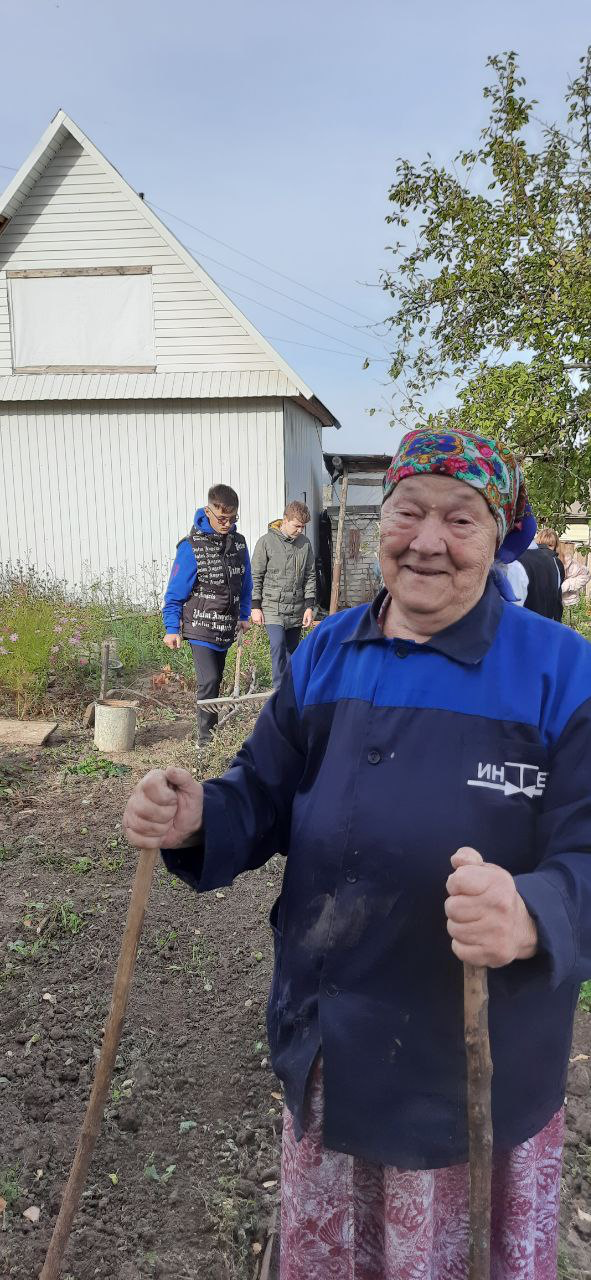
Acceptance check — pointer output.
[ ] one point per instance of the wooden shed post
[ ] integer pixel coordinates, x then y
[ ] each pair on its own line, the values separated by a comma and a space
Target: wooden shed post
338, 555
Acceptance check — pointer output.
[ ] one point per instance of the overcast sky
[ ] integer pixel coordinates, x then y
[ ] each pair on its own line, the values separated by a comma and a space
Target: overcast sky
275, 128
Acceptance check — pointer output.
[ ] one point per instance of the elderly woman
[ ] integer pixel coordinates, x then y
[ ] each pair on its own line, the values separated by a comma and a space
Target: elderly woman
424, 768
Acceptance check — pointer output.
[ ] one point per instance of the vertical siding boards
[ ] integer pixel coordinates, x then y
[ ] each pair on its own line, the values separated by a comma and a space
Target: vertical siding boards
303, 462
5, 346
76, 215
92, 490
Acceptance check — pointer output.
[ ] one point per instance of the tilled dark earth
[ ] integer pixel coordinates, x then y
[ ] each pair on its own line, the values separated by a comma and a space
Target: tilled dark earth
184, 1180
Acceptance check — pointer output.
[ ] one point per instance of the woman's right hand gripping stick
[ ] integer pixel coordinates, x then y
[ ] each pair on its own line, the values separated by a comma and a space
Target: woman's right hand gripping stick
164, 810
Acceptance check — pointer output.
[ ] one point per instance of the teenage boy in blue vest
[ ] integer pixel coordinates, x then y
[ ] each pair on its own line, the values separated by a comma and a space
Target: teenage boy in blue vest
209, 595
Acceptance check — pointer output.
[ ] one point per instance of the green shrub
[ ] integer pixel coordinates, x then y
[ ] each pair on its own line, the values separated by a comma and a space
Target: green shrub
9, 1186
585, 997
577, 616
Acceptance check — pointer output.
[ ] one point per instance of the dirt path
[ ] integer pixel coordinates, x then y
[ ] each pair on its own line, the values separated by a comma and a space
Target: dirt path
184, 1181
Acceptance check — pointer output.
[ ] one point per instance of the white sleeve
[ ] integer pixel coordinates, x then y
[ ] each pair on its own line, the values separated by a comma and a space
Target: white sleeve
519, 581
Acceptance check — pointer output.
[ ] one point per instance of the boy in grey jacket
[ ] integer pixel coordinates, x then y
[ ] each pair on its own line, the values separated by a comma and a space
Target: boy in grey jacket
284, 584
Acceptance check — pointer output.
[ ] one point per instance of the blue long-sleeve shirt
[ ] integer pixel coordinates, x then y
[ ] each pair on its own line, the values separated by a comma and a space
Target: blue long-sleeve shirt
183, 582
374, 761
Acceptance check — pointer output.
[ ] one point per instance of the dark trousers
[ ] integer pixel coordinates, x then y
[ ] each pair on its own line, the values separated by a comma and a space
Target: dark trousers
209, 669
283, 641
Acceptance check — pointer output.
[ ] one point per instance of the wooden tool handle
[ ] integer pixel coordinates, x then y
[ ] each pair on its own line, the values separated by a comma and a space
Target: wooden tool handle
239, 644
104, 1070
479, 1117
105, 654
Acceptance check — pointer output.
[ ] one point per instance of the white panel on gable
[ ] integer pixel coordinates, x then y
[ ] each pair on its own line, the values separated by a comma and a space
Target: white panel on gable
82, 321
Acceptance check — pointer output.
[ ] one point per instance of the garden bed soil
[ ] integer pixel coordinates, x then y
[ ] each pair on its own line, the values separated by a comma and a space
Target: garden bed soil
184, 1180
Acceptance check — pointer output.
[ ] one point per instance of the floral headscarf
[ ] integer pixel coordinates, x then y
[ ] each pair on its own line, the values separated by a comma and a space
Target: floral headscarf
485, 464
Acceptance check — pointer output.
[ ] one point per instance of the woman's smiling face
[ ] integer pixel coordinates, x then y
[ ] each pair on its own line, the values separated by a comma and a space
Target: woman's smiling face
437, 544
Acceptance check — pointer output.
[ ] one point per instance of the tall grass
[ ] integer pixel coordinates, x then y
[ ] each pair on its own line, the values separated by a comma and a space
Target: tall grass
50, 642
578, 617
256, 655
44, 639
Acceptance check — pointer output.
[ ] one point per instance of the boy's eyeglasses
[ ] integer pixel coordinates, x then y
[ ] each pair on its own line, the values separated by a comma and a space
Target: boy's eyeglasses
222, 516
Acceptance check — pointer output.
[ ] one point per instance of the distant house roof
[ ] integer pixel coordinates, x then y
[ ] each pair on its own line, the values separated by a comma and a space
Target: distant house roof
356, 464
279, 380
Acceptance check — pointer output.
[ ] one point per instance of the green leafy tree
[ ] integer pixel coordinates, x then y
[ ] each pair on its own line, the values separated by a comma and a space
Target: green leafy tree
491, 283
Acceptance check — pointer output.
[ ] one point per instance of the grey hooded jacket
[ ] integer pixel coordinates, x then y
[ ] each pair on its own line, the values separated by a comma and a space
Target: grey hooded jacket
283, 577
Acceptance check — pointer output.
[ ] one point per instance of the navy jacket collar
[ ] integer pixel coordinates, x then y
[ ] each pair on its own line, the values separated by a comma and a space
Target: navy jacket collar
466, 640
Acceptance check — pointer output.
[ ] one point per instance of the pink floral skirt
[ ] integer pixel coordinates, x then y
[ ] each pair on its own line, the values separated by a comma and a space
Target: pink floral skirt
343, 1218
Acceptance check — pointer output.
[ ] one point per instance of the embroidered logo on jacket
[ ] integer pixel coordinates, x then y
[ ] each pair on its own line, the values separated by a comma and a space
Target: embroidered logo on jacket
511, 778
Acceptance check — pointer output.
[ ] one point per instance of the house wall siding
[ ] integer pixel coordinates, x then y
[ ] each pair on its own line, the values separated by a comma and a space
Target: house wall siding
303, 463
90, 490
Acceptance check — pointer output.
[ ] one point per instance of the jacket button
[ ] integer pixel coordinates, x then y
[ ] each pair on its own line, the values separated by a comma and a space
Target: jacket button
331, 990
374, 757
351, 877
401, 650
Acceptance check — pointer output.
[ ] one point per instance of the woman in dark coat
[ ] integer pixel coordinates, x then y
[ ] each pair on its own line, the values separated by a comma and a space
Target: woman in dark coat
546, 575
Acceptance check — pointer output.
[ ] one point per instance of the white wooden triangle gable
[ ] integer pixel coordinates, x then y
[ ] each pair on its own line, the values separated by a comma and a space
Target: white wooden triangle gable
68, 210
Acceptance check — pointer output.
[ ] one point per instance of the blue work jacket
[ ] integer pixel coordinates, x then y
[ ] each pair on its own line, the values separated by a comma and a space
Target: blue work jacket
374, 761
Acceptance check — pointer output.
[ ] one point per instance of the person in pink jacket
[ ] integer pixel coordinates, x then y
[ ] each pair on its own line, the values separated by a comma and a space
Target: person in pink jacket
576, 579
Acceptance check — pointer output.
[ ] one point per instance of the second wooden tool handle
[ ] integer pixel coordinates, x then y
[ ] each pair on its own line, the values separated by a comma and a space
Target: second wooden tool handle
479, 1066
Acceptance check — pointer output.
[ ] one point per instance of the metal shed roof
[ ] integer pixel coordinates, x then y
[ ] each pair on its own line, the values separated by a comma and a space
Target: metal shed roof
356, 464
151, 386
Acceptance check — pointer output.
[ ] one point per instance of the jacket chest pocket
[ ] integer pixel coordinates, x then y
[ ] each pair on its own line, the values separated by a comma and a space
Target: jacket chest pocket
501, 796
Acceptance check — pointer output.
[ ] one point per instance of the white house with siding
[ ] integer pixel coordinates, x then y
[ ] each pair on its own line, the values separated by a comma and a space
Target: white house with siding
129, 382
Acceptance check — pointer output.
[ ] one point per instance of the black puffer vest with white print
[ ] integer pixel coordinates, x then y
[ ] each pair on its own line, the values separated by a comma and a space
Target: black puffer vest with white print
211, 612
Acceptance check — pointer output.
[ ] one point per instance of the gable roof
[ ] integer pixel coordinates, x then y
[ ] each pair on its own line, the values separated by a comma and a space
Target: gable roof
280, 378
